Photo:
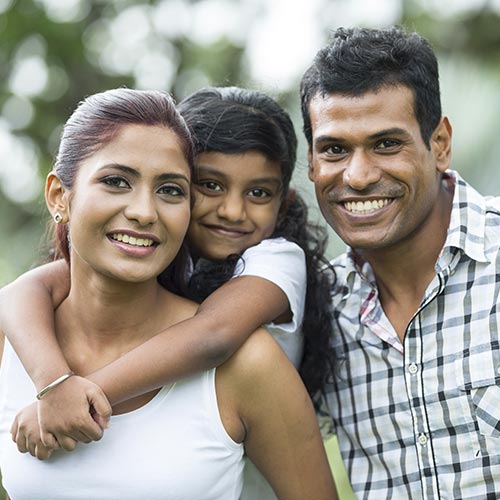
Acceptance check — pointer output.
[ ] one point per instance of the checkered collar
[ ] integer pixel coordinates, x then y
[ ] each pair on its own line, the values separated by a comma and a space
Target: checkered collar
466, 231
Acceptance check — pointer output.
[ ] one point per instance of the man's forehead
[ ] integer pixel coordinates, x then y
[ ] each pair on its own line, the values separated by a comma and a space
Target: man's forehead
388, 104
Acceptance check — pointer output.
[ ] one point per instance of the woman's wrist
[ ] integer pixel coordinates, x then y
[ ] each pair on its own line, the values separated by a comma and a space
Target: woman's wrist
58, 381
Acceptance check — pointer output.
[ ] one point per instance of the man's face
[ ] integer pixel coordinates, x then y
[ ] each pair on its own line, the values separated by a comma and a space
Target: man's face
376, 181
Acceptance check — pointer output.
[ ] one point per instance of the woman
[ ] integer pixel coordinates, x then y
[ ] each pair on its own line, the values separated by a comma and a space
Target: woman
120, 193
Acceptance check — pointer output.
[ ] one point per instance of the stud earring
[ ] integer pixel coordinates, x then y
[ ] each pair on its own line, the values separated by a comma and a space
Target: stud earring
58, 218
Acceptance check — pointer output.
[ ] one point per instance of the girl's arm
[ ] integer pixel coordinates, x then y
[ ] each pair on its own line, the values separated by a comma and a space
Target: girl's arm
270, 287
27, 318
281, 434
222, 324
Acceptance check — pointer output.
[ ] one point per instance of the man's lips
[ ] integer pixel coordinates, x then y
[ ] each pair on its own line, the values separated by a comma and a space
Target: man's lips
366, 206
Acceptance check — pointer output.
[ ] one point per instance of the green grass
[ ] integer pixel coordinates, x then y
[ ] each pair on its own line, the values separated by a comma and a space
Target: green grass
343, 487
342, 482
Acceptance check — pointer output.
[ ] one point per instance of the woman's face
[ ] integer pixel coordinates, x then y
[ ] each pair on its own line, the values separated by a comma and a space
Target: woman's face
237, 202
129, 208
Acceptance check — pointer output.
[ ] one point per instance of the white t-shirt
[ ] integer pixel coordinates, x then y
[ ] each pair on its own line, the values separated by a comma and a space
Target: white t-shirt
174, 447
283, 263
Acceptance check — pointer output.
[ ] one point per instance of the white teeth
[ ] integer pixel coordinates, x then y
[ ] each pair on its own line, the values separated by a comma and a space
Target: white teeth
365, 206
138, 242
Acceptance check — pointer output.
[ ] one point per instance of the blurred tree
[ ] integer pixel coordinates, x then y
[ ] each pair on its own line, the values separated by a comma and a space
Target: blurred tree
55, 52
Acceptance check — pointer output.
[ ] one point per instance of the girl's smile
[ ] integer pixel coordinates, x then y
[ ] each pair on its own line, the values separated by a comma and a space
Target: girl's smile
237, 202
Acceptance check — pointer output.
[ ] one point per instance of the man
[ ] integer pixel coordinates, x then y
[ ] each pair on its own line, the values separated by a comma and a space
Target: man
415, 396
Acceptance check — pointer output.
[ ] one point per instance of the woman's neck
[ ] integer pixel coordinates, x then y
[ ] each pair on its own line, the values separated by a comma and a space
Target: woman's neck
103, 318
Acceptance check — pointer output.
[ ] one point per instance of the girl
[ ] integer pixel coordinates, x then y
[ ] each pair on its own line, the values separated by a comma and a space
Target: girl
245, 154
120, 194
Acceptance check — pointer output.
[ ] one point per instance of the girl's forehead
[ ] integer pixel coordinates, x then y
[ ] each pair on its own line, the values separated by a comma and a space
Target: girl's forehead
250, 165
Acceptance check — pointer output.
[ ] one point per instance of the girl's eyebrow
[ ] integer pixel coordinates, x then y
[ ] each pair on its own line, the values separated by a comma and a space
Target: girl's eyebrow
200, 169
135, 173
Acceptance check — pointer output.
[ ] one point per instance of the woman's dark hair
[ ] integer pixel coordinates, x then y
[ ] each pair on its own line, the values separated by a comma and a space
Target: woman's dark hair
94, 124
231, 120
361, 60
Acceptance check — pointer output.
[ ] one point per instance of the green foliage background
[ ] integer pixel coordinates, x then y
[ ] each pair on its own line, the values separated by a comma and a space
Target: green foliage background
467, 41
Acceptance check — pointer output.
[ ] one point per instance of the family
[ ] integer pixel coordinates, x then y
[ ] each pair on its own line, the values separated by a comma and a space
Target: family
189, 332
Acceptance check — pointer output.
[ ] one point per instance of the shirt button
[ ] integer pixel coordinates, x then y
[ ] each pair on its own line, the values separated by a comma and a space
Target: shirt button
413, 368
422, 439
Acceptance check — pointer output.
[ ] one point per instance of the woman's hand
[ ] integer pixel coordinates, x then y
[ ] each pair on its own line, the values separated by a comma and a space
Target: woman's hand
75, 411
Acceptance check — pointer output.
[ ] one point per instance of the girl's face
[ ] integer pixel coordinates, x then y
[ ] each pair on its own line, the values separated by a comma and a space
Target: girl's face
129, 208
237, 201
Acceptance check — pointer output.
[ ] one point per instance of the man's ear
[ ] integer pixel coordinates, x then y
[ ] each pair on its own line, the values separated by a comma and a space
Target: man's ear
310, 169
56, 197
441, 144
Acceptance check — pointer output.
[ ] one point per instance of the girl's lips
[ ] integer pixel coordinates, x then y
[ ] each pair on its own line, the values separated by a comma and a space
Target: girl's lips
224, 231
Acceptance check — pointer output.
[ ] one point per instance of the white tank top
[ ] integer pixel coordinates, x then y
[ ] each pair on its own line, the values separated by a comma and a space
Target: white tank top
174, 447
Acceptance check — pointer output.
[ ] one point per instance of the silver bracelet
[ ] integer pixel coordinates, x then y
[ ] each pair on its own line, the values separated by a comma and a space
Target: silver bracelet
54, 384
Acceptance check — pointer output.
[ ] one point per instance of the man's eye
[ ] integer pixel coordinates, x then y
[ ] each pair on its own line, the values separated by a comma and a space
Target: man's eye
335, 150
115, 181
387, 143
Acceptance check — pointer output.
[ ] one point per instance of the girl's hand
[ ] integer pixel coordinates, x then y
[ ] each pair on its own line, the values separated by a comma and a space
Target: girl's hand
75, 411
25, 433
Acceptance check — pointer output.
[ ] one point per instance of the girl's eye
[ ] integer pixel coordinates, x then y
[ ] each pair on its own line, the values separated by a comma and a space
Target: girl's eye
115, 181
210, 185
259, 193
171, 190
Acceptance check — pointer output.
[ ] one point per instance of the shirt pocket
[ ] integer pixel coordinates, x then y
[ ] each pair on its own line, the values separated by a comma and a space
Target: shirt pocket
478, 376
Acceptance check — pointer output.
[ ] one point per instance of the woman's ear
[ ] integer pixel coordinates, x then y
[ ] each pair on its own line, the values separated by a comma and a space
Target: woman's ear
56, 198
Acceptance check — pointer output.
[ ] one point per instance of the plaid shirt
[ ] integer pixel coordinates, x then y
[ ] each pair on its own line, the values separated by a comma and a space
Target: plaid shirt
422, 419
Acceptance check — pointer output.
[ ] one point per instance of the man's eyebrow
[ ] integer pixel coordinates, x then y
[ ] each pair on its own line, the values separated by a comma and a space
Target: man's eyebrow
389, 131
377, 135
321, 140
328, 138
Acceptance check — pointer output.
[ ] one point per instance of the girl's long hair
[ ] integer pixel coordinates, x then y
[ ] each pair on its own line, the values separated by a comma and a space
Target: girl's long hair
232, 120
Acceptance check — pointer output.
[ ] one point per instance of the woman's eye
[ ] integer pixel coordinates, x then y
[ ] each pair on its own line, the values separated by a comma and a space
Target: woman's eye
115, 181
171, 190
259, 193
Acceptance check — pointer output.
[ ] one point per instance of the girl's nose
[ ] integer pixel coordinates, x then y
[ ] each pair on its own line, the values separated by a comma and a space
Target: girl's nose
232, 208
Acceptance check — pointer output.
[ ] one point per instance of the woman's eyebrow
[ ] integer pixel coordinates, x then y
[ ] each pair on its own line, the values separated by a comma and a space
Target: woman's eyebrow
132, 171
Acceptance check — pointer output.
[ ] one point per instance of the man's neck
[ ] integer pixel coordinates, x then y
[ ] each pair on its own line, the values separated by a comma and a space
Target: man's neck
403, 272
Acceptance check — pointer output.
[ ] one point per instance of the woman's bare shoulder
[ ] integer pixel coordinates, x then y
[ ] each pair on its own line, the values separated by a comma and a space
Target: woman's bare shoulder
181, 307
260, 362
